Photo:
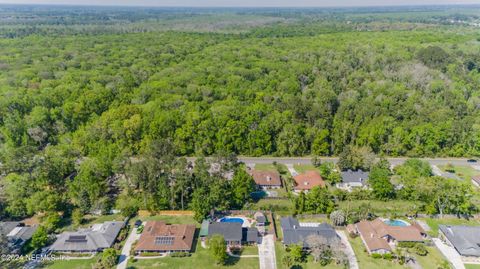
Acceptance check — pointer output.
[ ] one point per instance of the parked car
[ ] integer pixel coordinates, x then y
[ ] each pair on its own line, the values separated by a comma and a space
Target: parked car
137, 223
471, 160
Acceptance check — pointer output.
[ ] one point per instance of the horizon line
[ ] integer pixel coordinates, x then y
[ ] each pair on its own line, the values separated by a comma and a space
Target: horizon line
252, 7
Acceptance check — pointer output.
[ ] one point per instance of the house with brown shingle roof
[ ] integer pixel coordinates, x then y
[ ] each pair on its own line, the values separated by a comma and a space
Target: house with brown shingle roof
379, 237
266, 179
476, 181
307, 181
160, 237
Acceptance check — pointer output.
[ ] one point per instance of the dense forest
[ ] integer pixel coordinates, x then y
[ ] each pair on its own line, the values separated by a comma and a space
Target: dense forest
82, 103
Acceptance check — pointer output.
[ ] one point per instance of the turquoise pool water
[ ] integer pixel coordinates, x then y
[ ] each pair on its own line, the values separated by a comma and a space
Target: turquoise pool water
396, 222
239, 220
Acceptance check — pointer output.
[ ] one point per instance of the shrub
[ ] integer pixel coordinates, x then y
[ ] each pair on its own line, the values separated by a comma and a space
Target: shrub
180, 254
420, 249
376, 256
406, 244
387, 256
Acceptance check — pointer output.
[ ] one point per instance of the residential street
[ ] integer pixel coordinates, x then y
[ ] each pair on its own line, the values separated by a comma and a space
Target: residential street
352, 259
266, 253
123, 259
307, 160
450, 253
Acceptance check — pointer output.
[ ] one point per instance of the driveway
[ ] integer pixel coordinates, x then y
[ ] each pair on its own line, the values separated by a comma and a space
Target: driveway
123, 260
292, 170
266, 253
450, 253
352, 259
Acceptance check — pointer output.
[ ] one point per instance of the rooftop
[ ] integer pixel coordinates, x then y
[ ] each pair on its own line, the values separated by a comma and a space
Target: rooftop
266, 178
159, 236
231, 231
294, 232
308, 180
354, 176
465, 239
98, 237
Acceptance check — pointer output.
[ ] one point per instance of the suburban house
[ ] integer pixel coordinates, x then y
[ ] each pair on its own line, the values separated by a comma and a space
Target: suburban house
90, 240
297, 233
380, 237
233, 233
159, 237
353, 179
266, 179
476, 181
465, 239
307, 181
17, 234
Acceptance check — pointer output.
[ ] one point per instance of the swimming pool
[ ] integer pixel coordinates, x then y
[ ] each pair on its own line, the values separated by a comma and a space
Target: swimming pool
396, 222
228, 219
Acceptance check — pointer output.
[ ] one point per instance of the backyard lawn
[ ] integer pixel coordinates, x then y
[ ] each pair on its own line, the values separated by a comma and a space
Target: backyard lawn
200, 259
265, 167
472, 266
381, 208
173, 219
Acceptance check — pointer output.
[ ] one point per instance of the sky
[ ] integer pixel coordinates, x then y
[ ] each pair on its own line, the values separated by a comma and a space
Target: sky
245, 3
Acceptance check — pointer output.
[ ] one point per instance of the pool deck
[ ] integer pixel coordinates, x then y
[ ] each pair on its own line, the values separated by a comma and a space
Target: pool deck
246, 221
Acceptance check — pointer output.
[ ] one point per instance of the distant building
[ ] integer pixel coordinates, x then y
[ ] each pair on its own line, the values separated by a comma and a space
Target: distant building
266, 179
159, 237
353, 179
17, 234
379, 237
476, 181
465, 239
295, 232
307, 181
91, 240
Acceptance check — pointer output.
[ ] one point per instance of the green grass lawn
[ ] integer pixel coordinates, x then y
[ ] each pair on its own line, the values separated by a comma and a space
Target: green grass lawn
283, 207
434, 257
265, 167
464, 172
434, 223
249, 250
381, 208
302, 168
200, 259
173, 219
71, 264
472, 266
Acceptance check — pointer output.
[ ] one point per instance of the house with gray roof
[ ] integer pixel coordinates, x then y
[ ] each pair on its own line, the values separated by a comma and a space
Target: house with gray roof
353, 179
465, 239
91, 240
231, 232
17, 234
295, 232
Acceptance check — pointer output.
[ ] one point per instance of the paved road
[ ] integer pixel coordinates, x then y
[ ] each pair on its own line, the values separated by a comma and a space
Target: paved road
450, 253
352, 259
266, 253
123, 260
307, 160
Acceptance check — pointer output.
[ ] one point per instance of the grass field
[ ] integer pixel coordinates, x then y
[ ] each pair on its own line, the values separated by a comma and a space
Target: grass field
382, 208
173, 219
472, 266
464, 172
302, 168
265, 167
72, 264
200, 259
